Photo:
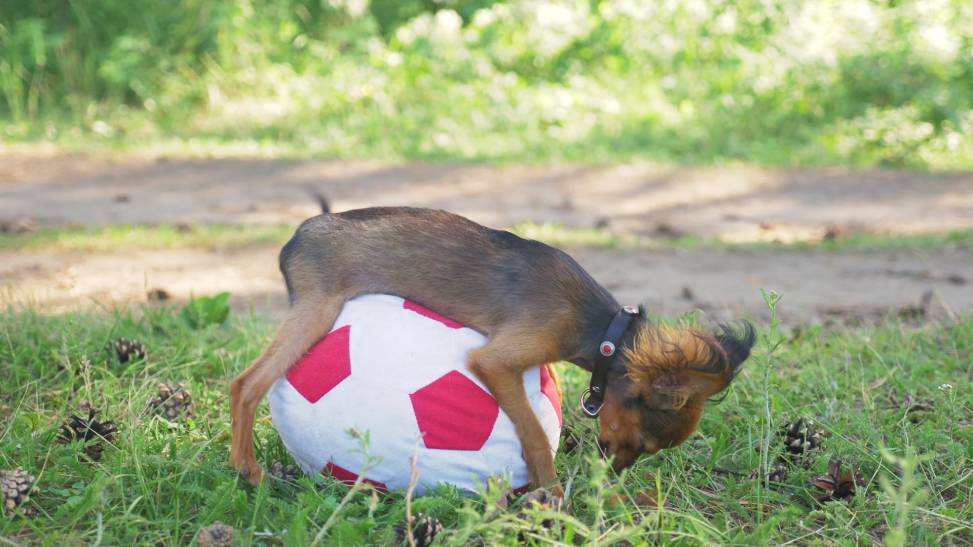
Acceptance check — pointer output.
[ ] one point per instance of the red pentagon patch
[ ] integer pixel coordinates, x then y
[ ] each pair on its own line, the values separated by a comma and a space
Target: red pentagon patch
349, 477
453, 413
426, 312
550, 390
324, 366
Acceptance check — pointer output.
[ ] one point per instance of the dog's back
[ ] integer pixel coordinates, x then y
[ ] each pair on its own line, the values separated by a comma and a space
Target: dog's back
439, 259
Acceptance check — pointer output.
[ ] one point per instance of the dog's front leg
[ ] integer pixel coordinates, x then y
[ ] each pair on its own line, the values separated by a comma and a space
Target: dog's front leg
501, 368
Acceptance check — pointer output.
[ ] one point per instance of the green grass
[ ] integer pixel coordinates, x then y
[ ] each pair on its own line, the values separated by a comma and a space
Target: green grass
166, 236
161, 482
222, 237
563, 236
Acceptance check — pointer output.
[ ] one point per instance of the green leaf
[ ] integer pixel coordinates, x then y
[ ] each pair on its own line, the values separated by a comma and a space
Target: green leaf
206, 310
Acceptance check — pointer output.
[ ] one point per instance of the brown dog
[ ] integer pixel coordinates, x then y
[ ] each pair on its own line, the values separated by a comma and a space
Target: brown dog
534, 303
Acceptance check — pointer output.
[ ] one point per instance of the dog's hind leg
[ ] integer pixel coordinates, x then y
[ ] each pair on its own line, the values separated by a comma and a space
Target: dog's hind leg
308, 321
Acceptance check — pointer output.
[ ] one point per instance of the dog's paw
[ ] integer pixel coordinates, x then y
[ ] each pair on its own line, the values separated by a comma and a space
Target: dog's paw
542, 498
250, 471
254, 474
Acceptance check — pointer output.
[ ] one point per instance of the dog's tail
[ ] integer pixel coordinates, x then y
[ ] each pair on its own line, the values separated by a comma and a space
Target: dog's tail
322, 200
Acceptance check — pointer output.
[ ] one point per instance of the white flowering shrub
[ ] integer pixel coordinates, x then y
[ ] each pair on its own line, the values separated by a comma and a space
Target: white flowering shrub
784, 81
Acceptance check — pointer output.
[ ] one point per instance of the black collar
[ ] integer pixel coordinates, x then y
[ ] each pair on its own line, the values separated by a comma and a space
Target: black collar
594, 397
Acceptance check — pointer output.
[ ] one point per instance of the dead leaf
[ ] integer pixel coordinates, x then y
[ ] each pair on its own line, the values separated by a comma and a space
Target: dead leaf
838, 484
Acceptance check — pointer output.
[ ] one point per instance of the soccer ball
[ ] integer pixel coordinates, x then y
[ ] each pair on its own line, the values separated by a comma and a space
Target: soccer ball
394, 373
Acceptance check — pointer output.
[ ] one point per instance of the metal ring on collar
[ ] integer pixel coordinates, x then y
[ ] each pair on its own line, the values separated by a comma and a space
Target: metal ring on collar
591, 412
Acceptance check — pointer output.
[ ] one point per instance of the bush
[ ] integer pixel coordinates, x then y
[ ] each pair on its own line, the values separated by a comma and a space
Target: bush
784, 82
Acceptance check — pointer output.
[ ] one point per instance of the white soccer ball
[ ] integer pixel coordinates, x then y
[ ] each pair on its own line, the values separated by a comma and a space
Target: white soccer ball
397, 371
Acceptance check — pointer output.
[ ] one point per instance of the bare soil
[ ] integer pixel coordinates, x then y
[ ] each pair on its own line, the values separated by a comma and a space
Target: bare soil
733, 203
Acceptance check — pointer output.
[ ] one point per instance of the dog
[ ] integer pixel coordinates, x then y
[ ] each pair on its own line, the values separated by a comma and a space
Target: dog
534, 304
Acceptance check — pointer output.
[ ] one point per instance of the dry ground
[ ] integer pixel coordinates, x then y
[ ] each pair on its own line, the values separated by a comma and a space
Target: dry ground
732, 203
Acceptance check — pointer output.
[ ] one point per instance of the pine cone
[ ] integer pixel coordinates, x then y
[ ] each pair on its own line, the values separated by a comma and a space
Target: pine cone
214, 535
424, 531
838, 484
801, 438
91, 432
289, 472
127, 350
17, 486
778, 473
173, 401
158, 295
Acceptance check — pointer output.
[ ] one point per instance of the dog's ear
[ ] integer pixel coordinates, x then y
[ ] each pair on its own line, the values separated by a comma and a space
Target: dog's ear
699, 381
675, 390
736, 345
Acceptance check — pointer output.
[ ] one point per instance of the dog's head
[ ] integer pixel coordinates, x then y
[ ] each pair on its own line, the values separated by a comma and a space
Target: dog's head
669, 374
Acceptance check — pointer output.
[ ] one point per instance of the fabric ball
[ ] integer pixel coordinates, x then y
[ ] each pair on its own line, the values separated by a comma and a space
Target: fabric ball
390, 380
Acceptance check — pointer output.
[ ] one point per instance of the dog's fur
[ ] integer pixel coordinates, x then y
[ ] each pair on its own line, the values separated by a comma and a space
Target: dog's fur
535, 305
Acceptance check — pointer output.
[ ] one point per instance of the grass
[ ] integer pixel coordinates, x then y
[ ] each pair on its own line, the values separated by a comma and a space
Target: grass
218, 237
224, 237
563, 236
230, 236
162, 481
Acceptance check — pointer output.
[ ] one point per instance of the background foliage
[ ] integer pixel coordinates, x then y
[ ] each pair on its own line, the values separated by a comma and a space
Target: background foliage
776, 81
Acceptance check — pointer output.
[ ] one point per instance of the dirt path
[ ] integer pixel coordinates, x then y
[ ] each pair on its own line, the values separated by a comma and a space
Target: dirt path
740, 204
817, 286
